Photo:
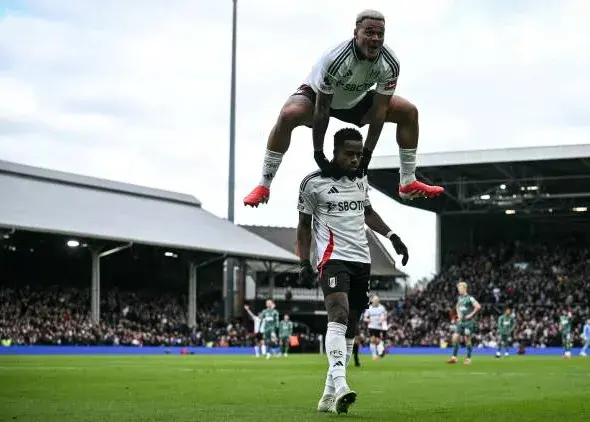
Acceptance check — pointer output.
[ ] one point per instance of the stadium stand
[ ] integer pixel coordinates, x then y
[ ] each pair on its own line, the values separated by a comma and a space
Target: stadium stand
514, 225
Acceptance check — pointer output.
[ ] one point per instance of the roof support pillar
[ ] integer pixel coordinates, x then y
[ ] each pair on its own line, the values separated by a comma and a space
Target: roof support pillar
96, 254
229, 286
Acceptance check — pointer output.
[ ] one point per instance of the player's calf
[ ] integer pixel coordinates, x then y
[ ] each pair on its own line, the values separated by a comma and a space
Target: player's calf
336, 347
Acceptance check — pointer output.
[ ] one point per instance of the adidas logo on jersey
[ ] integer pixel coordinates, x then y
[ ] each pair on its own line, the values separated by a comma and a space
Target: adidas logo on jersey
333, 190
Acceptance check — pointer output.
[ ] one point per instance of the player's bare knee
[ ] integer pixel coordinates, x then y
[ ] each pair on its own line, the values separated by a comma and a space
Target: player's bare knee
410, 113
294, 113
403, 111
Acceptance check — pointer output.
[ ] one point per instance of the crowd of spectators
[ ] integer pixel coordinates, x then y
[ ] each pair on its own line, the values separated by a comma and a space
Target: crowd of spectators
537, 282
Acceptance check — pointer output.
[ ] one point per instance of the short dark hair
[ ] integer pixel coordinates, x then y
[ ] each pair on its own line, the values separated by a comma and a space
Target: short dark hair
346, 134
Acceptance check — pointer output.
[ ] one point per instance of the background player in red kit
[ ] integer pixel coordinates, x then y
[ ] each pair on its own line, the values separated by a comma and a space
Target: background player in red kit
339, 85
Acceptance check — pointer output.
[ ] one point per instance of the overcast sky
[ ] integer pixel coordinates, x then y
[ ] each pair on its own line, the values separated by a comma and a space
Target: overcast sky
136, 91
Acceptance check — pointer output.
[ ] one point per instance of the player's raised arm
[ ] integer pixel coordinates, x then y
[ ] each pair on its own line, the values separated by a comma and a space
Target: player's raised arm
247, 308
376, 223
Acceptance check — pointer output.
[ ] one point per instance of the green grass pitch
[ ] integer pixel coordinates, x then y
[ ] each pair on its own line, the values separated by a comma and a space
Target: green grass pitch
242, 388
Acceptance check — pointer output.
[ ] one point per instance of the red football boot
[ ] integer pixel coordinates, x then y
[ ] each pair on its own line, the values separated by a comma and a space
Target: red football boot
417, 189
258, 196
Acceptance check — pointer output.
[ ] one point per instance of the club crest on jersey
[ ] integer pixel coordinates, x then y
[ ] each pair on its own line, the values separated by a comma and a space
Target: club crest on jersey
332, 282
360, 185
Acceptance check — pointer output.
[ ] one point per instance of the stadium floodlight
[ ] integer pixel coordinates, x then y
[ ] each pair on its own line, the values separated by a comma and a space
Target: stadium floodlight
580, 209
170, 254
485, 197
72, 243
510, 212
502, 186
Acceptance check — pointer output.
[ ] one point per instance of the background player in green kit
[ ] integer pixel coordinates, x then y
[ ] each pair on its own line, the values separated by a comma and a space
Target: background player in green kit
506, 325
465, 324
285, 333
565, 326
269, 325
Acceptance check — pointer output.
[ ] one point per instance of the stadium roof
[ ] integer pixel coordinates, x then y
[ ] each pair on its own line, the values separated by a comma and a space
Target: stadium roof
285, 237
43, 200
551, 180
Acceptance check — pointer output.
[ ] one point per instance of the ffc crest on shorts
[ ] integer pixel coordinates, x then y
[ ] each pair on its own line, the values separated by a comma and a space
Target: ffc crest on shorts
332, 282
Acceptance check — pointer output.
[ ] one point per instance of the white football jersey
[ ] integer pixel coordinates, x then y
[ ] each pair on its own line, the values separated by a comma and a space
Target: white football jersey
342, 73
338, 210
377, 316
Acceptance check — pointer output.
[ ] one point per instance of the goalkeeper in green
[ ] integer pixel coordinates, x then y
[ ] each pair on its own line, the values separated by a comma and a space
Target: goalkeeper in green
506, 325
285, 333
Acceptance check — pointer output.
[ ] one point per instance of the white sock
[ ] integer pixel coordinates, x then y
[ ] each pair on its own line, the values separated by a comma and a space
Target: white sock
349, 346
263, 348
270, 165
380, 348
257, 350
373, 348
407, 165
336, 351
329, 387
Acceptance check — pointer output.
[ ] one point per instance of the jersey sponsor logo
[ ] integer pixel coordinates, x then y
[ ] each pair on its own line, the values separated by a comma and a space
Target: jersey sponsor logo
343, 206
354, 87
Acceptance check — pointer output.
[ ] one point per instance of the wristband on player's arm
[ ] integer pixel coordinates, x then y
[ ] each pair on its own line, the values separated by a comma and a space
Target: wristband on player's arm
391, 234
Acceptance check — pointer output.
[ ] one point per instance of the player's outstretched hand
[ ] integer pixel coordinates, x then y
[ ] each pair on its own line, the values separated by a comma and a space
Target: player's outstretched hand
400, 248
306, 272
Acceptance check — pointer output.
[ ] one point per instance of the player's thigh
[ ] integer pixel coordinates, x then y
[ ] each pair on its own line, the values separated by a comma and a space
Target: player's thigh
335, 284
377, 334
401, 110
358, 296
298, 109
468, 329
267, 337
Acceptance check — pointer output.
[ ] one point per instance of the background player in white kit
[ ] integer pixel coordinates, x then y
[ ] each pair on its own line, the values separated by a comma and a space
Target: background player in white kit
259, 341
335, 210
376, 318
339, 85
